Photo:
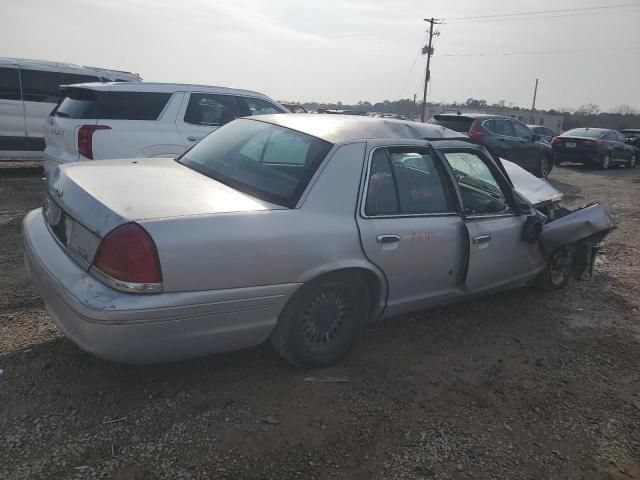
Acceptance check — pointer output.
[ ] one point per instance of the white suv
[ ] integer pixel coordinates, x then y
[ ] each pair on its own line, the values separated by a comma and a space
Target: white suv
29, 90
126, 120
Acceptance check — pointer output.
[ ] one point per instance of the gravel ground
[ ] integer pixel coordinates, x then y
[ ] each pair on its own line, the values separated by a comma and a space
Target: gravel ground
520, 385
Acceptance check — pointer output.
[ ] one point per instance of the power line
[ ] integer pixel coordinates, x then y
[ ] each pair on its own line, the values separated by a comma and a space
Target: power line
492, 20
601, 7
540, 52
413, 64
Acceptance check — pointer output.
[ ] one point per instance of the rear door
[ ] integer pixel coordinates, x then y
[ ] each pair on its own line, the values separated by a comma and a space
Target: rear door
410, 228
202, 113
505, 144
40, 93
498, 257
12, 126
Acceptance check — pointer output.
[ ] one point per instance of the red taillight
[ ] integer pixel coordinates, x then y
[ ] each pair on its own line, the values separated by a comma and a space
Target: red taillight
474, 131
555, 141
129, 254
85, 139
591, 143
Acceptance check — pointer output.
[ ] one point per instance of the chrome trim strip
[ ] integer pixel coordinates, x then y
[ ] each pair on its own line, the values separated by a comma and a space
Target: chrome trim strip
121, 285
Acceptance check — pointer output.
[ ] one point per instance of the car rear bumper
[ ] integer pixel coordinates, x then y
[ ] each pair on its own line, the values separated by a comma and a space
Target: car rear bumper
145, 328
577, 156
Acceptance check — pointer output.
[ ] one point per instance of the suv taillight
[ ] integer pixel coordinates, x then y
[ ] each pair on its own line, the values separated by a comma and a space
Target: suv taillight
85, 139
474, 131
129, 254
555, 141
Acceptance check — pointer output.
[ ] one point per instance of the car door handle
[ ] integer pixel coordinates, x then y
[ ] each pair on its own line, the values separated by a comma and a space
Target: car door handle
387, 238
481, 239
194, 139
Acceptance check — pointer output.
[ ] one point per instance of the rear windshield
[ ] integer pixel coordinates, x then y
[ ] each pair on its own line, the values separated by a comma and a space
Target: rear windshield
83, 103
266, 161
459, 124
583, 132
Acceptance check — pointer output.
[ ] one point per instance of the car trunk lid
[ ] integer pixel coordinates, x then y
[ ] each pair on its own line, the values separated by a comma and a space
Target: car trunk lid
102, 195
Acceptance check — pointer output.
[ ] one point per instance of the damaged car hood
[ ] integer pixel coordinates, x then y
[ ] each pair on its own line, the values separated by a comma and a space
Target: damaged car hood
534, 189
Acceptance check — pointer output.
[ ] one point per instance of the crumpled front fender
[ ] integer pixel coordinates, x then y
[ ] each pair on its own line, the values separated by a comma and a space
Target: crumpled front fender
588, 221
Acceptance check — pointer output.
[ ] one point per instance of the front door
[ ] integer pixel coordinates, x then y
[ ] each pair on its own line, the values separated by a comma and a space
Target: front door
498, 257
410, 228
202, 113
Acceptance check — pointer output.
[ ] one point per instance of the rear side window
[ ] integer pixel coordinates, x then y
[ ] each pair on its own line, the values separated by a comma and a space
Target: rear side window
133, 105
40, 86
9, 84
521, 130
257, 106
406, 182
459, 124
71, 78
78, 103
211, 110
503, 127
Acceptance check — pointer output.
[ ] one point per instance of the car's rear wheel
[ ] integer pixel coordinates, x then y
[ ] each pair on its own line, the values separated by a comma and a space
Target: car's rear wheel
633, 161
323, 320
606, 162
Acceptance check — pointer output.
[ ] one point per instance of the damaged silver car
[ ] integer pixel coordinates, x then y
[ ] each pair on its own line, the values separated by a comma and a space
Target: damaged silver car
299, 229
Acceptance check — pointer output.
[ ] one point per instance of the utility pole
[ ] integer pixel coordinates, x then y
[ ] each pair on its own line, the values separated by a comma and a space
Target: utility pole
533, 107
428, 49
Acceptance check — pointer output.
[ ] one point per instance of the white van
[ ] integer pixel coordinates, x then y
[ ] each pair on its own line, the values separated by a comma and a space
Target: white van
29, 90
127, 120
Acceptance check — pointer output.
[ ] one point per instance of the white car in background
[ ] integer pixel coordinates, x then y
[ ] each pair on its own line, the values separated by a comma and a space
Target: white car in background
29, 90
128, 120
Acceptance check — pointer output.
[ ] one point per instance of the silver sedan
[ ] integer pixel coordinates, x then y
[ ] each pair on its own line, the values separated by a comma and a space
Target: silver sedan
300, 229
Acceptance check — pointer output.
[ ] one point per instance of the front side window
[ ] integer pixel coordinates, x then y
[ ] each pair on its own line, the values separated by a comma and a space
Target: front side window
211, 110
406, 182
481, 193
266, 161
9, 84
40, 86
257, 106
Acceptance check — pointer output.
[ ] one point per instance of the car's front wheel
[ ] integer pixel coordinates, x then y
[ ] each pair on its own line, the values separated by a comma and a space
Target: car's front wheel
544, 167
323, 320
556, 274
606, 162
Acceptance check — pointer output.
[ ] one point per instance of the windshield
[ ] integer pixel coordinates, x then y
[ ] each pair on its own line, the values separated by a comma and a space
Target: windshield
266, 161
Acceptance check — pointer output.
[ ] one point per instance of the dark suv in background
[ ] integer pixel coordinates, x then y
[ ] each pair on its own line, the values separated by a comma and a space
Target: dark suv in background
504, 137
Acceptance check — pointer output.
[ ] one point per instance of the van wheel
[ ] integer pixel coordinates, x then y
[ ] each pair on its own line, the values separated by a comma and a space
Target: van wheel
323, 320
555, 276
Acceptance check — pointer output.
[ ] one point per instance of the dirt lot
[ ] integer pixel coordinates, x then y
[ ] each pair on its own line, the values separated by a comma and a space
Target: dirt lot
522, 385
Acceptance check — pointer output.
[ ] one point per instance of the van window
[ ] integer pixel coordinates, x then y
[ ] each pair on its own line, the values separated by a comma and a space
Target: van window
133, 105
40, 86
9, 84
71, 78
212, 110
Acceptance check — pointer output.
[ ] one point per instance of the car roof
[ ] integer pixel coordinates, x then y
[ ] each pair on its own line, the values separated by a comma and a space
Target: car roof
471, 115
31, 63
631, 130
165, 88
344, 128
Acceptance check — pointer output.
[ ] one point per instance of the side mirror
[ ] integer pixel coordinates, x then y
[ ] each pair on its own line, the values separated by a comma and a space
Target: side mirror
535, 137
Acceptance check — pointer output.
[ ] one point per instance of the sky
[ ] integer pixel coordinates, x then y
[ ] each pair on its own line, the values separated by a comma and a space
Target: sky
347, 50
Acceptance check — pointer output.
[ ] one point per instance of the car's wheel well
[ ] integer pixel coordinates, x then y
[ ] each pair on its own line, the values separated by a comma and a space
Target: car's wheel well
374, 288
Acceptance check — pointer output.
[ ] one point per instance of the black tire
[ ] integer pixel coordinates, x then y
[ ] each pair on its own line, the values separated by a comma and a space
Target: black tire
606, 162
555, 275
323, 320
544, 167
633, 163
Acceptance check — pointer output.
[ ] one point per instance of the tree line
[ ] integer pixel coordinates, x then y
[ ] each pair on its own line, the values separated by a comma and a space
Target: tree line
588, 115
